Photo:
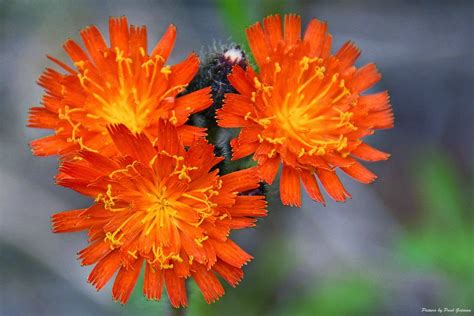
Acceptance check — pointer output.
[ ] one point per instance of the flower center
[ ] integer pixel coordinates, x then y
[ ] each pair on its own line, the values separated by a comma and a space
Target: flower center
124, 110
308, 113
159, 211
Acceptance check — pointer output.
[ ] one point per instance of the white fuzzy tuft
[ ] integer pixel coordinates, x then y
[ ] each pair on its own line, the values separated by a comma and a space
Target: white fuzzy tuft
234, 55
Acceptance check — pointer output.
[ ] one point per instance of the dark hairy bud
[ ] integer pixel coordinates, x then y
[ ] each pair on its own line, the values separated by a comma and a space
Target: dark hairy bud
217, 65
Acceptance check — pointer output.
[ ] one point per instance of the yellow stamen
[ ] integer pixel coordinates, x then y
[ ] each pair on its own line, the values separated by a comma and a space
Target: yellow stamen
271, 154
223, 216
79, 64
173, 119
183, 173
199, 241
274, 141
166, 71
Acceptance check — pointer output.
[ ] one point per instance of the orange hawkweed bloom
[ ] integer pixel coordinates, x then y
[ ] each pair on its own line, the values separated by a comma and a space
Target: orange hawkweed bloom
120, 84
163, 206
305, 109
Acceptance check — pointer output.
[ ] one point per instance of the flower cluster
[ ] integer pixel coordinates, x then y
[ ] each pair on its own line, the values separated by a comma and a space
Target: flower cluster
161, 199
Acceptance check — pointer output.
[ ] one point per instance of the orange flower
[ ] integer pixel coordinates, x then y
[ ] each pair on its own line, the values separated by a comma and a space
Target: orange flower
120, 84
305, 109
164, 206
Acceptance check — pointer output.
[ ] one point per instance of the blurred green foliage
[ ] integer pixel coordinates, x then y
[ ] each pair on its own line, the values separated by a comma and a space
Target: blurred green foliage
256, 295
352, 295
238, 16
442, 240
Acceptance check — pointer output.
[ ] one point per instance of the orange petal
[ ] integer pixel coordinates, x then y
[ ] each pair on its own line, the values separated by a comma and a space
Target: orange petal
347, 55
50, 145
254, 206
273, 29
79, 171
136, 146
100, 163
364, 78
42, 118
335, 159
201, 154
268, 170
258, 43
94, 252
239, 105
118, 30
359, 172
240, 150
105, 269
292, 29
239, 222
152, 283
332, 184
181, 268
68, 221
137, 40
50, 80
186, 212
290, 188
326, 49
242, 180
195, 101
369, 153
81, 186
94, 43
380, 120
229, 252
315, 35
211, 255
375, 102
74, 51
311, 186
208, 283
218, 230
249, 134
240, 80
184, 72
176, 289
229, 273
190, 246
229, 120
125, 281
166, 43
188, 134
168, 140
61, 64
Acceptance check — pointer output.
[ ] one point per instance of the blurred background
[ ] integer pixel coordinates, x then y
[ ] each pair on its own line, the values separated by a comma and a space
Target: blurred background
403, 243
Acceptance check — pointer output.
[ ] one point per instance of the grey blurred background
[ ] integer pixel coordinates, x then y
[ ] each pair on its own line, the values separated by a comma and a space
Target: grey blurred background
403, 243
